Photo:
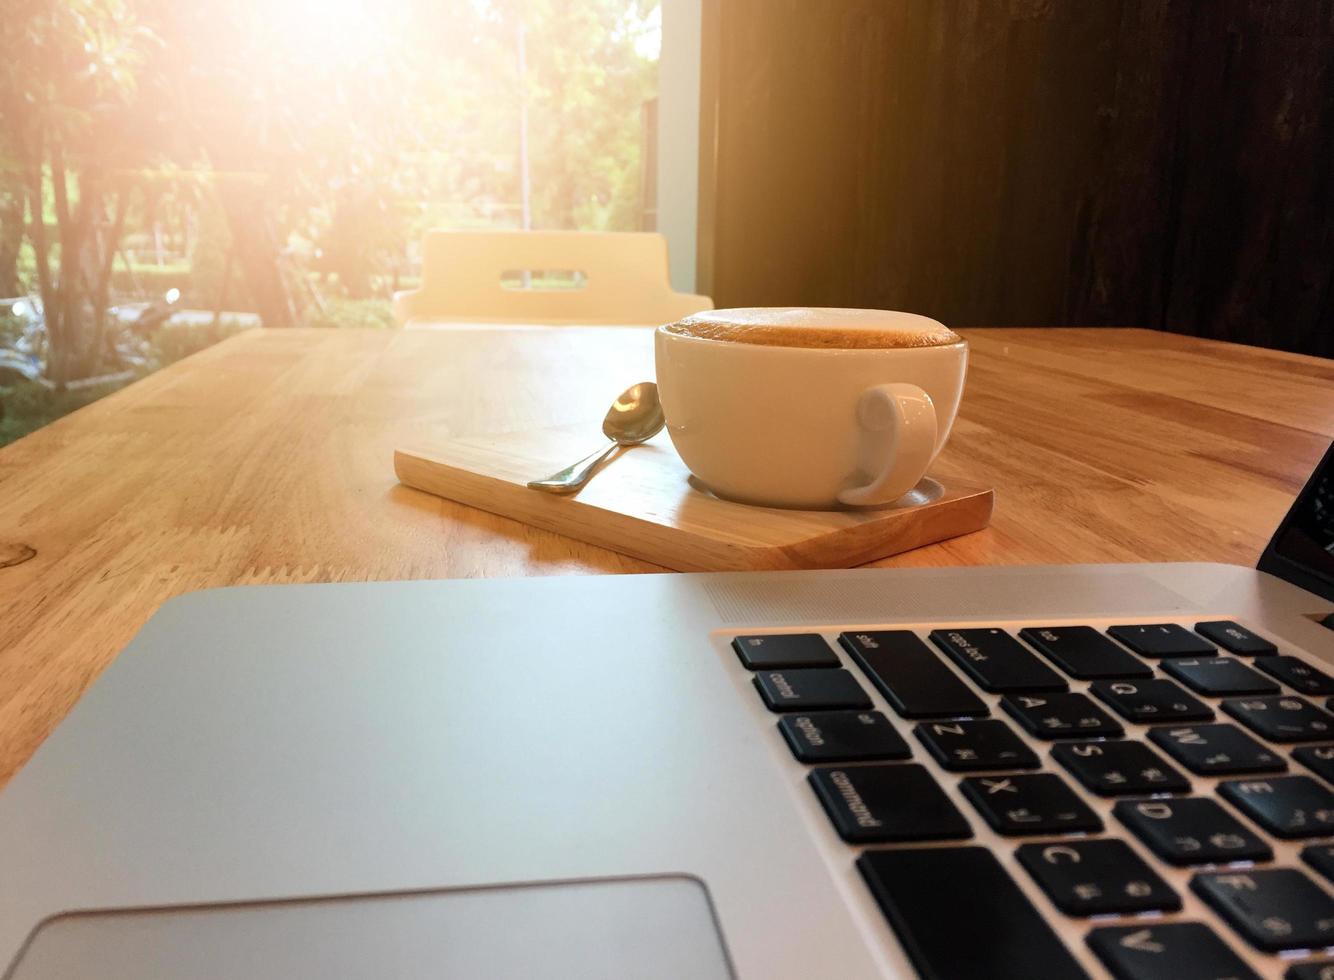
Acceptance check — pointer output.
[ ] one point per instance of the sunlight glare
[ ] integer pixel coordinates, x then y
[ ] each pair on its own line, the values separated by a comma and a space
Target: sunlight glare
649, 43
345, 30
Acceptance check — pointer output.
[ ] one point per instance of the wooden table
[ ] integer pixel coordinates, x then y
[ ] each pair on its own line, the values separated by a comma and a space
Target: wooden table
268, 459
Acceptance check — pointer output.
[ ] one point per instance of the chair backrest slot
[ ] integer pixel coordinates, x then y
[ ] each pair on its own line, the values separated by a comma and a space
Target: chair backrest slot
543, 279
551, 277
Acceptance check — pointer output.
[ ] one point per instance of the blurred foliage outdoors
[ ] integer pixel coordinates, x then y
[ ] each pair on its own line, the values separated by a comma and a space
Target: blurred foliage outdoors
283, 157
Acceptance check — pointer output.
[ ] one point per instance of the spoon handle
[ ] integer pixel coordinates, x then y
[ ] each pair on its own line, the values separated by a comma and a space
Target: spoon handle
573, 477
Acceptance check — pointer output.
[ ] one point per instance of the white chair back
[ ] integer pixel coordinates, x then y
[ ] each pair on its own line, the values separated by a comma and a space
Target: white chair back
544, 277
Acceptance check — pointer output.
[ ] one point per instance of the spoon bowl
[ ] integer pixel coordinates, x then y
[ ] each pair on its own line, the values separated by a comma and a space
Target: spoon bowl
635, 416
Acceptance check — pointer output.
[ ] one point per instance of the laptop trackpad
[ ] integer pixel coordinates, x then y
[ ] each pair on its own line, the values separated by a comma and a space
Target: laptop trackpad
640, 927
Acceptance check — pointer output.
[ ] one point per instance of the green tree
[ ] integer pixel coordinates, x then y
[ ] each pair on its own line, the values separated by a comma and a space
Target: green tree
589, 85
12, 207
301, 111
585, 84
317, 125
329, 123
68, 82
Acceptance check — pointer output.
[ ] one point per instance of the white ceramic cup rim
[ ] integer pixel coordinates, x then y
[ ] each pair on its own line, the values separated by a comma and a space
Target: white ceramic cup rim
809, 351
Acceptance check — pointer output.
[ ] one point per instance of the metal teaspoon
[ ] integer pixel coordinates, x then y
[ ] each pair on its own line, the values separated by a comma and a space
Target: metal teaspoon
635, 417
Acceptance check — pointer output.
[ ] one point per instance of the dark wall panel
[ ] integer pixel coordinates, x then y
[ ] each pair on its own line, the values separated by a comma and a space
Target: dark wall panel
1034, 162
1253, 248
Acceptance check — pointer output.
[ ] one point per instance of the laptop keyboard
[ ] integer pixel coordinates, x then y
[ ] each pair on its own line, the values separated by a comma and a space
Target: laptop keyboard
1126, 767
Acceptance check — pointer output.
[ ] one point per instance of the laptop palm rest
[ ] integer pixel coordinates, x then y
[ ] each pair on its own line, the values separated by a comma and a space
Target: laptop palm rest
641, 927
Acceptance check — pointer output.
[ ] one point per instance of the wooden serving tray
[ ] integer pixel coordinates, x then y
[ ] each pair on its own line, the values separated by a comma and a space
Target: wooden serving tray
644, 503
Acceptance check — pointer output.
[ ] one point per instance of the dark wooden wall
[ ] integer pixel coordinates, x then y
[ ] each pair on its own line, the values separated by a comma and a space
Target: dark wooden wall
1162, 163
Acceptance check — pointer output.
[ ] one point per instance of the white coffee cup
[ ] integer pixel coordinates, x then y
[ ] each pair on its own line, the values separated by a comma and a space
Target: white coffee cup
810, 427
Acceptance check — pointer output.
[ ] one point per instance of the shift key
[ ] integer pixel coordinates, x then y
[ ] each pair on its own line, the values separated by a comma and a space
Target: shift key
911, 676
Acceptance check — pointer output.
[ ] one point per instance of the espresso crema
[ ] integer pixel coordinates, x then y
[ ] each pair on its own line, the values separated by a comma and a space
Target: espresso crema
825, 328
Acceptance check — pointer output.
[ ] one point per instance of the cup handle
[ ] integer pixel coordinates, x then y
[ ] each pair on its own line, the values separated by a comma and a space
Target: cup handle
903, 416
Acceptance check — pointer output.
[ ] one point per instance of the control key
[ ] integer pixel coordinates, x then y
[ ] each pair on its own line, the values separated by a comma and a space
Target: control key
808, 690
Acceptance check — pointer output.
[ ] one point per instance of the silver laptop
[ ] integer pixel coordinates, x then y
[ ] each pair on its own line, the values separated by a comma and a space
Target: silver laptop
1119, 770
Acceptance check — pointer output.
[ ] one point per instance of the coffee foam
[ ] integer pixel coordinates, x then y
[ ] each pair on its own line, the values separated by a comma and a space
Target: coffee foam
827, 328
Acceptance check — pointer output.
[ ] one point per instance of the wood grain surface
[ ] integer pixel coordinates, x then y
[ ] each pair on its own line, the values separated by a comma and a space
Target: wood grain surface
269, 458
643, 504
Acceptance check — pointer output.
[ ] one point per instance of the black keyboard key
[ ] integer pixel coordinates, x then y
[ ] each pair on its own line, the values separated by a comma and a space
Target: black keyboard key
1119, 768
1297, 674
1218, 676
1234, 638
1282, 719
1162, 640
1191, 830
1167, 951
1216, 750
958, 914
1083, 652
975, 746
1065, 715
911, 675
1151, 701
810, 690
842, 736
772, 651
1030, 803
874, 804
1311, 971
1286, 806
1273, 909
1320, 857
1096, 877
997, 661
1318, 758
